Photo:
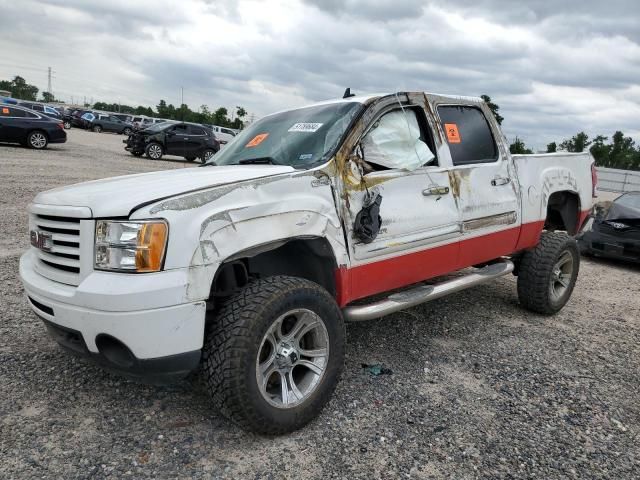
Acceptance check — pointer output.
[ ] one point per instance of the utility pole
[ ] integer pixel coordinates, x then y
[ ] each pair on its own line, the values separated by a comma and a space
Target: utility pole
182, 103
49, 80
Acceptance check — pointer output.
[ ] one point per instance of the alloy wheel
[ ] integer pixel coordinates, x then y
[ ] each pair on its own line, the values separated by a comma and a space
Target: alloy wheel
561, 275
155, 151
38, 140
292, 358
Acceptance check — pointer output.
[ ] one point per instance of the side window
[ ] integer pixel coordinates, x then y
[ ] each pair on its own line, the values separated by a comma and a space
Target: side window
181, 129
38, 108
398, 139
193, 130
468, 135
30, 115
11, 112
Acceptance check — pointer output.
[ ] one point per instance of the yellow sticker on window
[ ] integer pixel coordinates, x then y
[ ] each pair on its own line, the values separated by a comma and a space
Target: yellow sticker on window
452, 132
5, 111
257, 140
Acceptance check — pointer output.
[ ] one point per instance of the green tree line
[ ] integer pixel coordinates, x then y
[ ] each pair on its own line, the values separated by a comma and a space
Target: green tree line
22, 90
183, 113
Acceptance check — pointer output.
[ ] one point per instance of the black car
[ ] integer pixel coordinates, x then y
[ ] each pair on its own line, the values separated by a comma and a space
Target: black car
614, 230
26, 127
102, 122
76, 118
188, 140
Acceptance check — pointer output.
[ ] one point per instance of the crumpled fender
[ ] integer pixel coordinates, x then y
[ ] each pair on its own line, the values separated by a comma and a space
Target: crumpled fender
210, 226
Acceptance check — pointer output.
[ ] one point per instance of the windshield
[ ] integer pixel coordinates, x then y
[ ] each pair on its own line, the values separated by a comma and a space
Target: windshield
156, 127
299, 138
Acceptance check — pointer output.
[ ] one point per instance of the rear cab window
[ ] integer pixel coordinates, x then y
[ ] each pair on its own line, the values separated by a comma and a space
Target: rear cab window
468, 135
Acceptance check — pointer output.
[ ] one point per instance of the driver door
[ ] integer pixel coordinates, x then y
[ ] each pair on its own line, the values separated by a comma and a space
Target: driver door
176, 140
420, 229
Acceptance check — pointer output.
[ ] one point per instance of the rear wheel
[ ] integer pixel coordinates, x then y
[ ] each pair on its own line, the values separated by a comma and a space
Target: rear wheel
127, 131
547, 274
37, 140
207, 154
97, 128
154, 151
274, 354
67, 124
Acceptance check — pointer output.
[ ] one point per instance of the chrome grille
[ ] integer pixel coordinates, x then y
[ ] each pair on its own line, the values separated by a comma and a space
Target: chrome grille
61, 262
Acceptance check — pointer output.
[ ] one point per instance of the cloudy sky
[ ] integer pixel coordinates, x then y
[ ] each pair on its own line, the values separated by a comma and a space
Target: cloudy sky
554, 67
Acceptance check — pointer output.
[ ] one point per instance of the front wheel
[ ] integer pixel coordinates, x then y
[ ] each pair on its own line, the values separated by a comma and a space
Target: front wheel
547, 274
154, 151
274, 354
127, 131
37, 140
67, 124
97, 128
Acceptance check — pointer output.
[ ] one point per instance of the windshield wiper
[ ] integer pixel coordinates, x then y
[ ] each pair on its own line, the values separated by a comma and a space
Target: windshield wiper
257, 161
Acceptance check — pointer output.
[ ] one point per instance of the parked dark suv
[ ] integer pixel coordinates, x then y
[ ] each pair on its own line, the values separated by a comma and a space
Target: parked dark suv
29, 128
102, 122
187, 140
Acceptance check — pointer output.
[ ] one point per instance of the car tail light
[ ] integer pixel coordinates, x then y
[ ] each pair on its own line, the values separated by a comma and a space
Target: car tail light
61, 126
594, 180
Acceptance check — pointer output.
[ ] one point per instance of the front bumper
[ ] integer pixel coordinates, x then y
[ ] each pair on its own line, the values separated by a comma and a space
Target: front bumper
610, 246
137, 325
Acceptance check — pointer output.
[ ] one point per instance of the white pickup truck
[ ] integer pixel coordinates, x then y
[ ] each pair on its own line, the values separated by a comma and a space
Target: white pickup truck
249, 266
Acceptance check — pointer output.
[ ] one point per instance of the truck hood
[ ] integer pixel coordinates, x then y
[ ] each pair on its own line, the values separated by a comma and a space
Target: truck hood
118, 196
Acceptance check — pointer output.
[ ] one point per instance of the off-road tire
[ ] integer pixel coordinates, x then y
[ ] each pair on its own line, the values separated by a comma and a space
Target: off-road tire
233, 342
536, 269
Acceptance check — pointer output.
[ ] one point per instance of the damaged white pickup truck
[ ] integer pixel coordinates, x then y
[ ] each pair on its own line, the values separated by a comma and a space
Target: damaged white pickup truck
250, 265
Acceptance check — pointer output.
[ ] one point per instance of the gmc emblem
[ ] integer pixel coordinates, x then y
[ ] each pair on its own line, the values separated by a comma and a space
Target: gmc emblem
41, 240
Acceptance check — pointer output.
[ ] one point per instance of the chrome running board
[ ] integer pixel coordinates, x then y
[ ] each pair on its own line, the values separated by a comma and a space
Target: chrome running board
425, 293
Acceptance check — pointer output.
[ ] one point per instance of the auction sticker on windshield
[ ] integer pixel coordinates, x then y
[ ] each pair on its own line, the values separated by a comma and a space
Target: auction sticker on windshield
305, 127
257, 140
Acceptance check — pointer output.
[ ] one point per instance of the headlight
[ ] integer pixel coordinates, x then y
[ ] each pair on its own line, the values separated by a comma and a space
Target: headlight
130, 246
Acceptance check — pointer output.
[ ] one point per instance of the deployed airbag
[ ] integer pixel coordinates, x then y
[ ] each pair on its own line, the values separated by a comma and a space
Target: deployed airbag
394, 142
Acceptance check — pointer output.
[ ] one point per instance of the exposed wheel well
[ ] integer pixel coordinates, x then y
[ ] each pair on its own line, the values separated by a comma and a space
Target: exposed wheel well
310, 258
563, 212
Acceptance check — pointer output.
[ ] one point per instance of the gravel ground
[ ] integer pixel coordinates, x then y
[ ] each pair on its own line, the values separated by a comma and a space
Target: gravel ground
478, 387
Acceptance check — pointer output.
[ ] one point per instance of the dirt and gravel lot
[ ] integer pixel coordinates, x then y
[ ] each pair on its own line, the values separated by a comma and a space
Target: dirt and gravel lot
479, 387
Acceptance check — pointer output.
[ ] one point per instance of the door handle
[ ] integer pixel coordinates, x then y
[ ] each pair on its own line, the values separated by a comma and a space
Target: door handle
497, 181
437, 190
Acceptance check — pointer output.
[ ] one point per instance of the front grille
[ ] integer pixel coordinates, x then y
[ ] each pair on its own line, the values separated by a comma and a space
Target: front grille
62, 261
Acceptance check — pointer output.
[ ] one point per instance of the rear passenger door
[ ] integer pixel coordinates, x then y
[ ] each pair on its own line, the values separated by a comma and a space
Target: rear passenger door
484, 182
12, 124
195, 141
